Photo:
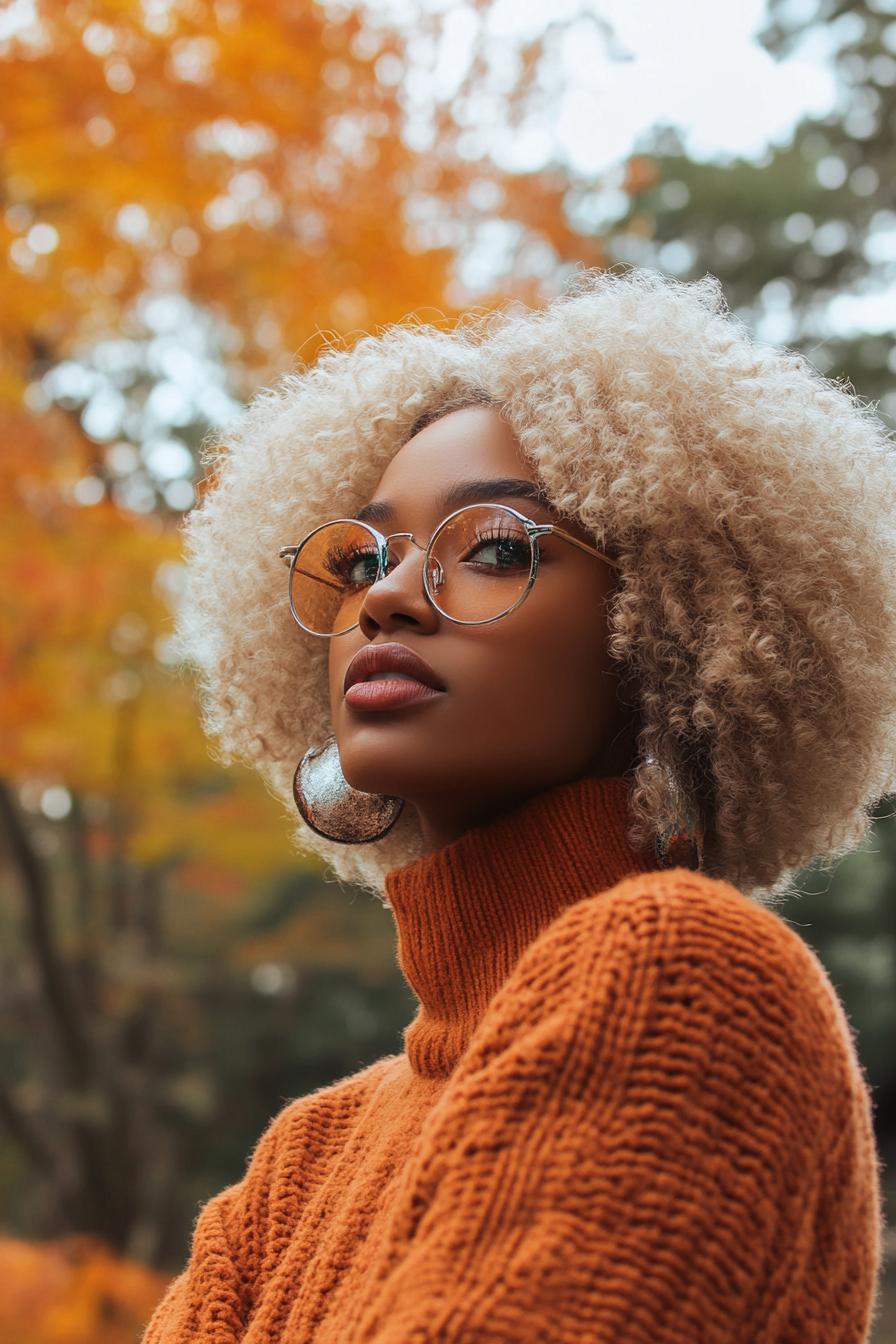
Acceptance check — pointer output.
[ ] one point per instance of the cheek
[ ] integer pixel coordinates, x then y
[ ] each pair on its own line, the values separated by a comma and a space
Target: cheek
550, 654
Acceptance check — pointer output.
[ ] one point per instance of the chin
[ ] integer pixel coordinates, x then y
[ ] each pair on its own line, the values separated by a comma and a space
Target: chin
372, 768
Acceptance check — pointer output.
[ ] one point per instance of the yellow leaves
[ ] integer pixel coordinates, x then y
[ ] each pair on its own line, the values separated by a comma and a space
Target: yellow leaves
239, 830
87, 702
263, 69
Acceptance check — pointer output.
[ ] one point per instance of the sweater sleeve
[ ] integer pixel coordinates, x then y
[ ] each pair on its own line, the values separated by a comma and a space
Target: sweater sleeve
659, 1134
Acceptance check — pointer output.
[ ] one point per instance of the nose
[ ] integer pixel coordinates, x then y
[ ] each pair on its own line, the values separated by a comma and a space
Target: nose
399, 595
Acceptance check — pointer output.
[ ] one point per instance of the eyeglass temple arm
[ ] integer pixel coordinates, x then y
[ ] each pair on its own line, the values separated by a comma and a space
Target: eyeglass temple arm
287, 552
582, 545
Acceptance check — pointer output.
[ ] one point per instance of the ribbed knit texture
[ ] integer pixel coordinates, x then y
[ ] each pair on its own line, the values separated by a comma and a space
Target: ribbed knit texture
629, 1110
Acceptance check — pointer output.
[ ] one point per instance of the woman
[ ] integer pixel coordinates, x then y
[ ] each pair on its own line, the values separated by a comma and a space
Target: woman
587, 644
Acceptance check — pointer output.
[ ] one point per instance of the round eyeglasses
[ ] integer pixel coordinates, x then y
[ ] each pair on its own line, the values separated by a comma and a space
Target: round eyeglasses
479, 565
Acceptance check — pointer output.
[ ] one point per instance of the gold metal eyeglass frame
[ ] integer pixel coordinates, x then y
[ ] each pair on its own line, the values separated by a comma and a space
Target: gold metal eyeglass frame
289, 554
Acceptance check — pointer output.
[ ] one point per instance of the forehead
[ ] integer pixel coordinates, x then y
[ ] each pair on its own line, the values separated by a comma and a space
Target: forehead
454, 461
473, 441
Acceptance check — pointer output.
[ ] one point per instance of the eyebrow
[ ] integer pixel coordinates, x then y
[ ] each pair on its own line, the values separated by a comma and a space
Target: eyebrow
464, 492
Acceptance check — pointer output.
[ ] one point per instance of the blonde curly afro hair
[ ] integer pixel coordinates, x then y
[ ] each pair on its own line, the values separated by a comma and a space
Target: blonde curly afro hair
750, 503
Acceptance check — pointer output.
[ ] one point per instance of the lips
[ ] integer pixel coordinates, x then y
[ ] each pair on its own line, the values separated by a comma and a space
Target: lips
390, 658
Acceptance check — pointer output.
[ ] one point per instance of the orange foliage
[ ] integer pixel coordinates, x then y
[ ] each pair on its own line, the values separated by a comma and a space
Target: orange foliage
73, 1291
246, 155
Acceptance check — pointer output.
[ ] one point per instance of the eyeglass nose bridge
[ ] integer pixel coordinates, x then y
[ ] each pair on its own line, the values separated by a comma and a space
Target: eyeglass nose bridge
437, 578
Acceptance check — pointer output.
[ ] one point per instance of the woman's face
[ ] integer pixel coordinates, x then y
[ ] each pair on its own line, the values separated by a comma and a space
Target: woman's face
529, 700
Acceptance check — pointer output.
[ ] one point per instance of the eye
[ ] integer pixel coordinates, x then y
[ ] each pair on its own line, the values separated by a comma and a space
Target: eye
508, 549
353, 564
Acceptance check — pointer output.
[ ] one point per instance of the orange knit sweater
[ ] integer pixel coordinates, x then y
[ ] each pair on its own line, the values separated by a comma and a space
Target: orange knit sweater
629, 1110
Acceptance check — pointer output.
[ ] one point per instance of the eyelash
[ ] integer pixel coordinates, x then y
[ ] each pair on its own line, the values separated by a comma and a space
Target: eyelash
341, 562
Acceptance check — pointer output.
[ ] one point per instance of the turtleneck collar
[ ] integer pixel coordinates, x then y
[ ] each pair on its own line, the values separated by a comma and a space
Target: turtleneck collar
465, 913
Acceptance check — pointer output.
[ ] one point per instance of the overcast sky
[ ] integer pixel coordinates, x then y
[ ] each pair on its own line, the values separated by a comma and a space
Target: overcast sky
696, 64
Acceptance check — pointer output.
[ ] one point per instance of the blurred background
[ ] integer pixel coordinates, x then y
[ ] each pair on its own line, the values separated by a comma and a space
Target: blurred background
195, 195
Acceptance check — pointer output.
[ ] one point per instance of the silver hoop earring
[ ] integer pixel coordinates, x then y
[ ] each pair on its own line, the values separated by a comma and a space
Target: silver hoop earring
332, 807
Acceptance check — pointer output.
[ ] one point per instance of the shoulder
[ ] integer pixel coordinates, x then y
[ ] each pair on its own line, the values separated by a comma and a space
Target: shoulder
671, 963
678, 918
289, 1160
337, 1103
308, 1130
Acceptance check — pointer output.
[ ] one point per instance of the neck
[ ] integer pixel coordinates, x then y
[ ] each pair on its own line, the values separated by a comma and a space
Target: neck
442, 824
465, 912
444, 820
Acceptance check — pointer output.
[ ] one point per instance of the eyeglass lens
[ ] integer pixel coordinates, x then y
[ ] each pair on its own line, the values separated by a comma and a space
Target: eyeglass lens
479, 565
